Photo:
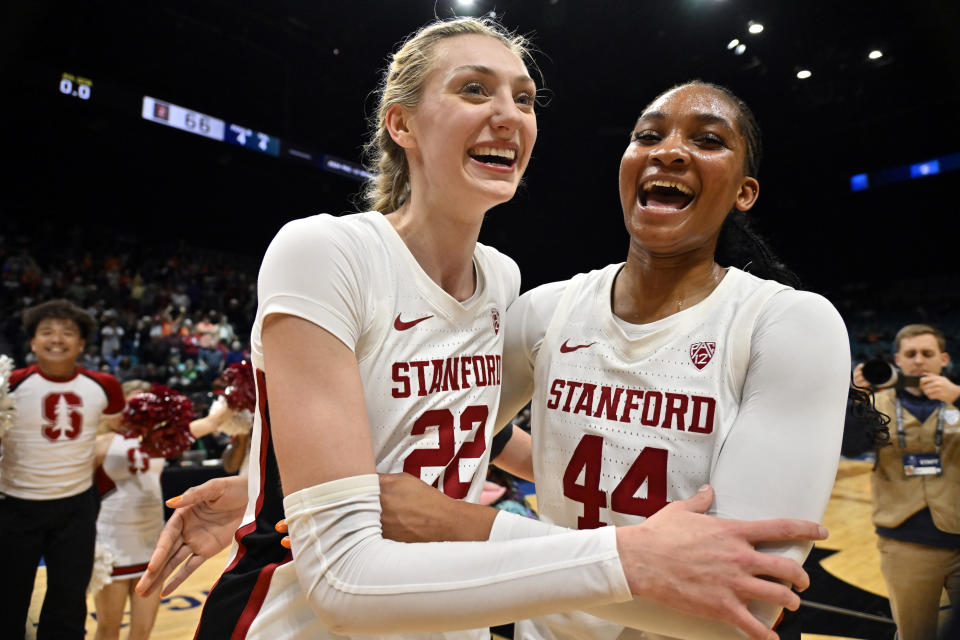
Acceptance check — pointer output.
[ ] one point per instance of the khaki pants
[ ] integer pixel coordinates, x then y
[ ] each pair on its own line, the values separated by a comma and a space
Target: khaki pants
916, 575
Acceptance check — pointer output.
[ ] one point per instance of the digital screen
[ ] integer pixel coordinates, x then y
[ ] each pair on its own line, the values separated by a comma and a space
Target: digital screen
184, 119
904, 172
76, 86
344, 167
251, 139
859, 182
202, 124
922, 169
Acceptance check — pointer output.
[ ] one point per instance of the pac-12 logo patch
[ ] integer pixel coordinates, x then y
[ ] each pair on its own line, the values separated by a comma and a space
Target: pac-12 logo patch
701, 353
496, 321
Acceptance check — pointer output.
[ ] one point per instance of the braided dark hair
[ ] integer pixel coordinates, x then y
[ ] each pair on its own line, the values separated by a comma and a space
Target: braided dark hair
864, 428
741, 246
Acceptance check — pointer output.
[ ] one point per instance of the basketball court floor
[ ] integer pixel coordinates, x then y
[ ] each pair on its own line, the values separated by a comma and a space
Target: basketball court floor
846, 600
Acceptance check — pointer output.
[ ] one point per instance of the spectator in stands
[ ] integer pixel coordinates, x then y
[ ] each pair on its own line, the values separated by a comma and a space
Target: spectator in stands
91, 358
236, 353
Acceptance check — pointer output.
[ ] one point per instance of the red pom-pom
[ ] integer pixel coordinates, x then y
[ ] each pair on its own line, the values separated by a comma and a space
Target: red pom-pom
160, 418
239, 389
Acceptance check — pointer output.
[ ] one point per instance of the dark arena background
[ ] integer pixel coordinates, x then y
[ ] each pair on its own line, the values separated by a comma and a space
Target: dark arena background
266, 105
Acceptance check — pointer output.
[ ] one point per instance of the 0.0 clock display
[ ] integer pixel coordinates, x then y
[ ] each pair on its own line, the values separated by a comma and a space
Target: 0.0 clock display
76, 86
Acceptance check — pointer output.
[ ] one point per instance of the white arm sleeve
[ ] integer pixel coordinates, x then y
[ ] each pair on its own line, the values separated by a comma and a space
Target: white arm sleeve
359, 583
780, 459
781, 456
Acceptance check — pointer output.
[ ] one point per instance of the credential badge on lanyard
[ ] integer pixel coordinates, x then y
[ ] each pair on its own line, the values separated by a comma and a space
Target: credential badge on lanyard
921, 464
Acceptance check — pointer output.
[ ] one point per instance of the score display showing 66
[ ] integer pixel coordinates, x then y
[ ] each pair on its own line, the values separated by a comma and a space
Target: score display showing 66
187, 120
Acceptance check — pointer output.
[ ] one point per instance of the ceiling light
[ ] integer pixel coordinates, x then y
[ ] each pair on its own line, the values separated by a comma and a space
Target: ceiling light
754, 27
465, 3
876, 53
733, 43
740, 49
803, 74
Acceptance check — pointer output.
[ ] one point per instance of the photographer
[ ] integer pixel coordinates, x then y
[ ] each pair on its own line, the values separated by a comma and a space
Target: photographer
916, 481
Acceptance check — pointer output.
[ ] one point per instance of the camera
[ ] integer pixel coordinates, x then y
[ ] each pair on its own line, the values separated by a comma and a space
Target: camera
880, 373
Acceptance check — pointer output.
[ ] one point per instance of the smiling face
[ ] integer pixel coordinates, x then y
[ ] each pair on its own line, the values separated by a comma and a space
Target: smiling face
683, 172
469, 139
57, 342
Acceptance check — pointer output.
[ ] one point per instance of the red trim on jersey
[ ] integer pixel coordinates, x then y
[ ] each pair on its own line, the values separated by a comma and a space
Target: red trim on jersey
76, 372
250, 527
134, 568
19, 375
259, 592
105, 484
257, 596
779, 620
264, 432
111, 387
239, 535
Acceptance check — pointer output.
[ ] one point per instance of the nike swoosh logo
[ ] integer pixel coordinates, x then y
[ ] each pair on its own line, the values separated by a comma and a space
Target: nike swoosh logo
400, 325
565, 348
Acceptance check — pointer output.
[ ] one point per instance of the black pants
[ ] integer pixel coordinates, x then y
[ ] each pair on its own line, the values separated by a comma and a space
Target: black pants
63, 531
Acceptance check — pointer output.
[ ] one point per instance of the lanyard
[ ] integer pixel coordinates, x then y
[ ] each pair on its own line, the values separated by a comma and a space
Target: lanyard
938, 438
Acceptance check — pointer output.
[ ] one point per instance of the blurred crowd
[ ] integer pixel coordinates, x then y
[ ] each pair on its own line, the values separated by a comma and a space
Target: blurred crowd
178, 314
166, 313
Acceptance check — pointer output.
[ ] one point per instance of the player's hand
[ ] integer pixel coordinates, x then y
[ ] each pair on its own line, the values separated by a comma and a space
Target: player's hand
202, 526
708, 567
413, 511
858, 379
939, 388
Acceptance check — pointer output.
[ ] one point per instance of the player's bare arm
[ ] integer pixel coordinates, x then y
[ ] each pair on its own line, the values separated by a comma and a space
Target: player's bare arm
517, 456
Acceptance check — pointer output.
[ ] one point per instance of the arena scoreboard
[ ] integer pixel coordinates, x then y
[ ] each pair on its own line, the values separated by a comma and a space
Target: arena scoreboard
76, 86
178, 117
189, 120
203, 124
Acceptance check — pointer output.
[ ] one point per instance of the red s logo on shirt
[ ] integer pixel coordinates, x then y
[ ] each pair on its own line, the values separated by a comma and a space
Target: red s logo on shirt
143, 462
62, 413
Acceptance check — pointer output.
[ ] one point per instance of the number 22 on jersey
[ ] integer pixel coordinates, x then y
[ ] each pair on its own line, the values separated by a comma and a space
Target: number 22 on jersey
650, 466
445, 455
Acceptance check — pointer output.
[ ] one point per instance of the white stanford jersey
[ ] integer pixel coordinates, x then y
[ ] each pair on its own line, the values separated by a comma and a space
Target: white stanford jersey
430, 367
131, 506
626, 418
48, 453
636, 421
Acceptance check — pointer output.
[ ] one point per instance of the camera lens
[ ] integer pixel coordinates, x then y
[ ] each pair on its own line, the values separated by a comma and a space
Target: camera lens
879, 373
